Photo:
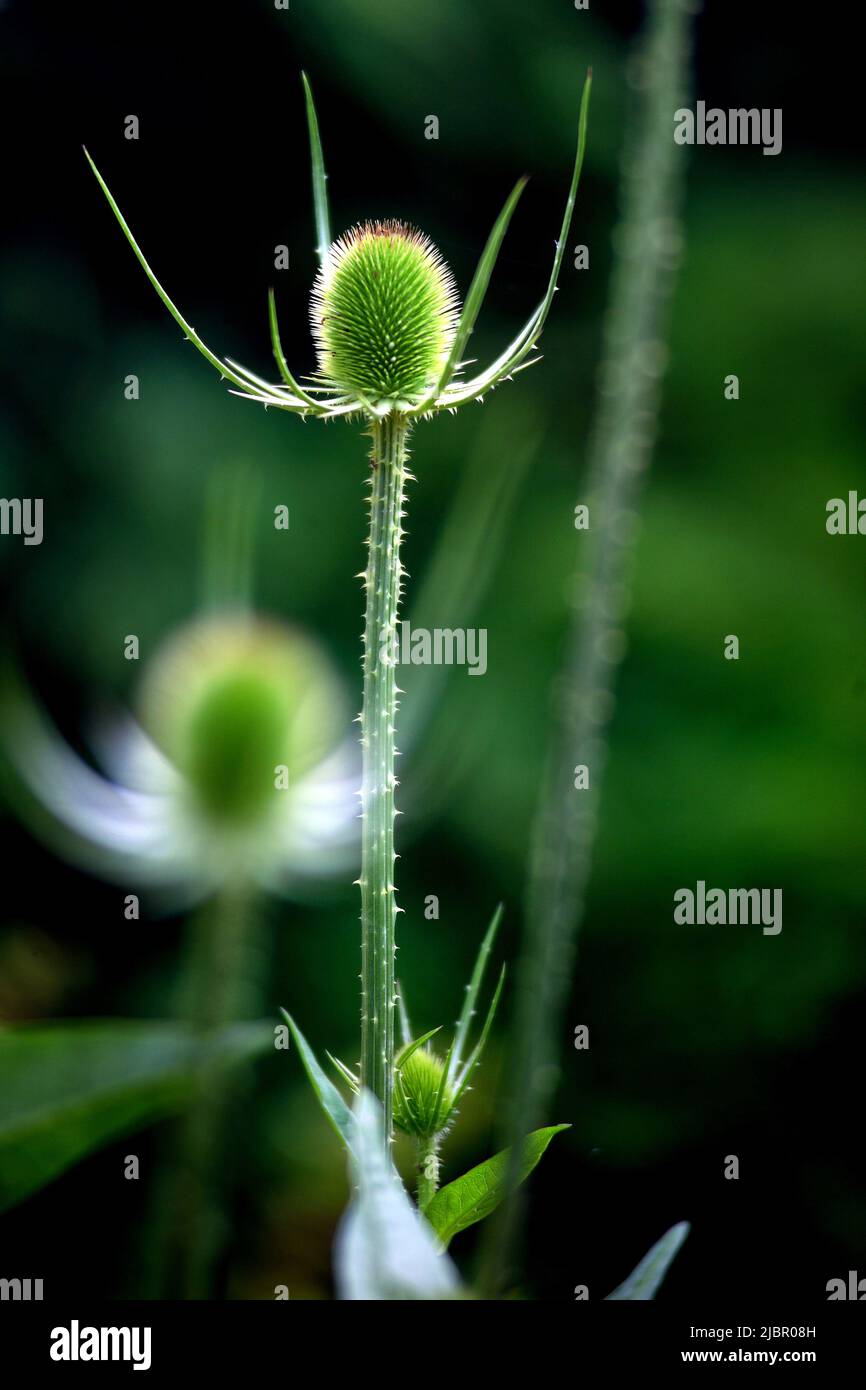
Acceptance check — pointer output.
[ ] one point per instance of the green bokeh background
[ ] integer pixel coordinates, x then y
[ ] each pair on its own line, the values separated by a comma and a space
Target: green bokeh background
704, 1042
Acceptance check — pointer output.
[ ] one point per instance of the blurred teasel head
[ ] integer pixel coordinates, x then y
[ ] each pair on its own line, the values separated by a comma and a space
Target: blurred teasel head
238, 767
243, 709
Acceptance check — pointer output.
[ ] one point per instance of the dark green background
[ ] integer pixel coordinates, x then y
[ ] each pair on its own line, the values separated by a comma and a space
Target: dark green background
705, 1042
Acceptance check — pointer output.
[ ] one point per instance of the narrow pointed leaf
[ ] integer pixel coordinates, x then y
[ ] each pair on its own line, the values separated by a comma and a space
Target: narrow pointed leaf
345, 1072
499, 369
466, 1075
569, 202
336, 1110
320, 188
403, 1016
384, 1250
476, 1194
510, 360
416, 1043
440, 1117
70, 1088
222, 367
477, 291
643, 1282
258, 384
279, 355
468, 1011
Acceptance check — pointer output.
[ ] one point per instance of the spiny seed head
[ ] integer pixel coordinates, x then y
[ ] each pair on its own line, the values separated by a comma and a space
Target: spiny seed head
417, 1107
230, 699
384, 312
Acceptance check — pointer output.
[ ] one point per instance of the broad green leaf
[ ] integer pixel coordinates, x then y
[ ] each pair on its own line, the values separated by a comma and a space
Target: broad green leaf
479, 1192
643, 1282
384, 1250
69, 1088
337, 1111
468, 1011
320, 187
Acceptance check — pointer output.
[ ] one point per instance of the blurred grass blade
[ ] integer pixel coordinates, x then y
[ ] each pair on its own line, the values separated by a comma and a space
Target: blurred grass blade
69, 1088
320, 188
468, 552
467, 1013
384, 1250
476, 1194
477, 290
338, 1114
222, 367
643, 1282
647, 242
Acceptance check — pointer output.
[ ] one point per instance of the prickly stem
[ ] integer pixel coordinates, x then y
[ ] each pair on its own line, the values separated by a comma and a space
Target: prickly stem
383, 583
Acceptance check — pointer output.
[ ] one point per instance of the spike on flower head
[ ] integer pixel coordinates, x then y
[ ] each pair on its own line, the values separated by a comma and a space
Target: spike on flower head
384, 313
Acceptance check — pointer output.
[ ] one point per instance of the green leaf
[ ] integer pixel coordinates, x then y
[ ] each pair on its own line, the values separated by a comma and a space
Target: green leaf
403, 1016
222, 367
468, 1011
407, 1051
345, 1072
320, 189
69, 1088
337, 1111
475, 1056
562, 242
477, 291
643, 1282
479, 1192
511, 360
384, 1250
280, 358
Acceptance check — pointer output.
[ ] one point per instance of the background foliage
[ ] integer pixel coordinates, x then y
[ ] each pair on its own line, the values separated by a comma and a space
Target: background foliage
704, 1042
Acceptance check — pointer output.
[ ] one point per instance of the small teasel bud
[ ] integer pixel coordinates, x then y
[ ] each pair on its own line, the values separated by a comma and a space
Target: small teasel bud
422, 1103
384, 313
230, 699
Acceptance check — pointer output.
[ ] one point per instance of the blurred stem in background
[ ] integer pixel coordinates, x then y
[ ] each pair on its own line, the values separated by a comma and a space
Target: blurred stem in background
383, 585
466, 558
219, 985
190, 1225
647, 248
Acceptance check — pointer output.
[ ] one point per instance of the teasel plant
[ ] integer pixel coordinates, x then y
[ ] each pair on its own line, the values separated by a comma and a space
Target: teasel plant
391, 338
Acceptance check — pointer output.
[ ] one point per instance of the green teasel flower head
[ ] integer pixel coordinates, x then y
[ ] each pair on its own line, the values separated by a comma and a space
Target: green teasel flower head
387, 325
384, 313
423, 1095
240, 706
